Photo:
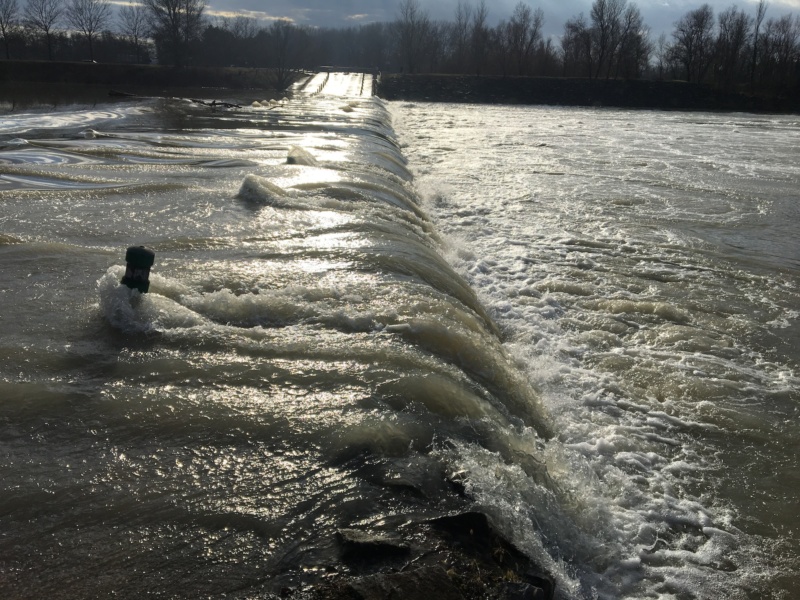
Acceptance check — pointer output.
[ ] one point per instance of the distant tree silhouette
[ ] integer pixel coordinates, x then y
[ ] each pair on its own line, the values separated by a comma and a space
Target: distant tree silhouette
614, 43
576, 48
761, 11
693, 44
284, 45
733, 38
634, 48
133, 25
459, 36
479, 36
175, 24
89, 17
411, 29
8, 23
217, 47
522, 33
780, 63
244, 28
733, 51
606, 16
44, 16
373, 45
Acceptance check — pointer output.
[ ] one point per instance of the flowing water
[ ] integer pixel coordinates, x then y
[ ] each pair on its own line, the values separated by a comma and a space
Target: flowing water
586, 318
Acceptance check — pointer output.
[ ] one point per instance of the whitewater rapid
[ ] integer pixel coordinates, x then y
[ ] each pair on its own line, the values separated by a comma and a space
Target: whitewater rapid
644, 267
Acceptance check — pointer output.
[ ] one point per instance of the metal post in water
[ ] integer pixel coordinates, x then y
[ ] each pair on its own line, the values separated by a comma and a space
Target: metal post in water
137, 271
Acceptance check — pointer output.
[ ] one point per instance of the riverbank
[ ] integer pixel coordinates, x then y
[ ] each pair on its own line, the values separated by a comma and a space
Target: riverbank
135, 76
155, 79
40, 85
668, 95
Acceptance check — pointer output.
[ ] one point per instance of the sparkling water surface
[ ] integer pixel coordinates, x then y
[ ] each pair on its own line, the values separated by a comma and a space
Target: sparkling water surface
586, 317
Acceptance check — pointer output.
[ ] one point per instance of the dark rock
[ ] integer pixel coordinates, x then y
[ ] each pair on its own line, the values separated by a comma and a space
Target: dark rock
542, 582
468, 523
475, 535
473, 530
427, 582
366, 545
460, 556
521, 591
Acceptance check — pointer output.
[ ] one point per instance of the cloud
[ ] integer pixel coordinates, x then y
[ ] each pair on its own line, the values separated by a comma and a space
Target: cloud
316, 13
787, 4
249, 14
659, 15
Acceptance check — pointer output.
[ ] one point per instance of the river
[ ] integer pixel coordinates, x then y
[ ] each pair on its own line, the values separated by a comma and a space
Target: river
585, 318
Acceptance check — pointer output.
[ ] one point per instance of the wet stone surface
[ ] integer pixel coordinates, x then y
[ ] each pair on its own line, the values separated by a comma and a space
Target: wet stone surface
460, 556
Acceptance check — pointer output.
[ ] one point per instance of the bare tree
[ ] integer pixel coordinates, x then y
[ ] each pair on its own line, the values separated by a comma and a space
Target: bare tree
8, 22
662, 51
634, 47
434, 45
523, 32
501, 53
374, 45
693, 45
44, 16
89, 17
460, 35
244, 28
287, 44
781, 50
133, 25
479, 36
546, 60
606, 24
761, 11
576, 47
176, 23
412, 27
732, 40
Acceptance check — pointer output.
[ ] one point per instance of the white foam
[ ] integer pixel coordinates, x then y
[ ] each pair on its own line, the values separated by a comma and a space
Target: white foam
133, 312
630, 331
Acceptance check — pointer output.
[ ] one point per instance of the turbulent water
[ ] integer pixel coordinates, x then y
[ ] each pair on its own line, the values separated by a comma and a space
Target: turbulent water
588, 319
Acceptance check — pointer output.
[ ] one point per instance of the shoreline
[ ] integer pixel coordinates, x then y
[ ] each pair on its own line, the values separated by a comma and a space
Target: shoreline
114, 74
474, 89
630, 94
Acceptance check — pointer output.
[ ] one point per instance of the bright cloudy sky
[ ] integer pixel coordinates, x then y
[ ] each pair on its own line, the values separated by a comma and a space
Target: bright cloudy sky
658, 14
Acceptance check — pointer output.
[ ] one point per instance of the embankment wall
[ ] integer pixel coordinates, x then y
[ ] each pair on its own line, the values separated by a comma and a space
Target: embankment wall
122, 75
669, 95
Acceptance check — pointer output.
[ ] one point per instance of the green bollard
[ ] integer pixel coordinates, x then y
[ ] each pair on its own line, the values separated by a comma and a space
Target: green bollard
137, 271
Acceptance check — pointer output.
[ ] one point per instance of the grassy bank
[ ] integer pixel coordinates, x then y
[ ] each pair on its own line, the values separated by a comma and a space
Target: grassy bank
670, 95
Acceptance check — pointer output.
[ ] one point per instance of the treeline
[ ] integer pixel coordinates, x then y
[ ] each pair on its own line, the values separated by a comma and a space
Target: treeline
170, 32
730, 50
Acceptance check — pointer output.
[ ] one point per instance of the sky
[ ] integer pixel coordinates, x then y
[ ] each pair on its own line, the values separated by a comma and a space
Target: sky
659, 15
